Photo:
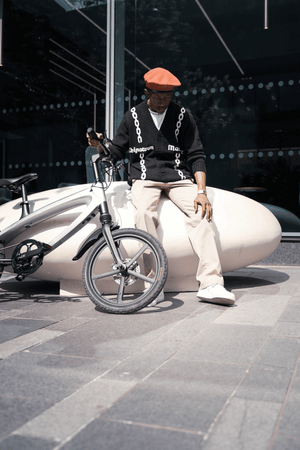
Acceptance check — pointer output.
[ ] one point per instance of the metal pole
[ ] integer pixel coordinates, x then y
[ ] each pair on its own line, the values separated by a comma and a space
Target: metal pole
110, 73
1, 26
266, 24
3, 158
95, 112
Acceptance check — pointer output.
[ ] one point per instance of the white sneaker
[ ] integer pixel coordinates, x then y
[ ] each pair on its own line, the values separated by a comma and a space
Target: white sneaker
160, 298
216, 293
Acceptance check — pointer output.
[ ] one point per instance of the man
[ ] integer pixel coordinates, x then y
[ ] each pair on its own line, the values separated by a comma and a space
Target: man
166, 154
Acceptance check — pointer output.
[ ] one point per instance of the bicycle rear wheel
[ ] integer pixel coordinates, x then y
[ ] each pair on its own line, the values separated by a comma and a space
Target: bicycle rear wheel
120, 290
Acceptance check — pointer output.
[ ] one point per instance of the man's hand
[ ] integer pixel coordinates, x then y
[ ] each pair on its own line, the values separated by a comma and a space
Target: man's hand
207, 210
94, 143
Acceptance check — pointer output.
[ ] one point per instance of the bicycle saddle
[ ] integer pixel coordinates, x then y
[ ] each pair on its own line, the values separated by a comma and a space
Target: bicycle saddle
14, 184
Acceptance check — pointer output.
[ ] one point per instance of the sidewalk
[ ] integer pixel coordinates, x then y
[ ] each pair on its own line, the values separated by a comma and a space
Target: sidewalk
184, 375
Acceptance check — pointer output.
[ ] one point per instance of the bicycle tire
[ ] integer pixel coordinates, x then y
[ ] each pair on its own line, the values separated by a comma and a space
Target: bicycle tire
108, 288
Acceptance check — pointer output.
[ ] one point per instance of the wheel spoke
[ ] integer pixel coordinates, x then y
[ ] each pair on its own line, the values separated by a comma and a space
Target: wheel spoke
106, 274
137, 255
141, 276
121, 291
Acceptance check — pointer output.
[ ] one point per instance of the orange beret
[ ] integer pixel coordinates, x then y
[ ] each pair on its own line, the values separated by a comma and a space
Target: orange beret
161, 80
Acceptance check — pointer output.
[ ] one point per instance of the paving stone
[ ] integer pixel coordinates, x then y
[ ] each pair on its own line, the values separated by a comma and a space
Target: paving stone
286, 443
185, 395
48, 376
264, 310
56, 308
7, 314
69, 324
111, 435
275, 289
279, 352
26, 443
292, 312
226, 343
65, 418
289, 424
15, 411
143, 362
269, 385
286, 329
6, 304
195, 370
113, 337
153, 406
12, 328
245, 424
26, 341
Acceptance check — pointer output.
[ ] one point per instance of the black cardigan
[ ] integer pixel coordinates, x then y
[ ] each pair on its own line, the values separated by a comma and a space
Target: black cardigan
172, 153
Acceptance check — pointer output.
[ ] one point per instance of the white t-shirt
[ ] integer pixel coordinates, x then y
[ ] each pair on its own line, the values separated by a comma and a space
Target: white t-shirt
158, 118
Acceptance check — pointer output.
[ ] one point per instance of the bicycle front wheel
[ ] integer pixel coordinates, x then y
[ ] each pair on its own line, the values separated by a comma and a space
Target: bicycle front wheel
129, 288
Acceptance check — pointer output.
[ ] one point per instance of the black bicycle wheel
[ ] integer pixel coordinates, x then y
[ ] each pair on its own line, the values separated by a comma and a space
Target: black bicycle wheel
120, 290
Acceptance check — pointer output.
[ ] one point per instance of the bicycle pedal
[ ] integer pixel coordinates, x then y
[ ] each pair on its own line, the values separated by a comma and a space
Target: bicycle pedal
20, 277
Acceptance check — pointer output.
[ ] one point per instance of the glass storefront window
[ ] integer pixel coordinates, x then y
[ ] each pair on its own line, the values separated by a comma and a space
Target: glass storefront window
241, 82
52, 87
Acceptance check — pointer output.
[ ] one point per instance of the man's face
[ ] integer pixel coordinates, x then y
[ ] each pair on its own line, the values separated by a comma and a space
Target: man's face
158, 101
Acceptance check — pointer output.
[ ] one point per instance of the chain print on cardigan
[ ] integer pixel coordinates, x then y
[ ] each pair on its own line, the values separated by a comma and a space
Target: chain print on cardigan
137, 125
143, 167
178, 124
177, 155
176, 167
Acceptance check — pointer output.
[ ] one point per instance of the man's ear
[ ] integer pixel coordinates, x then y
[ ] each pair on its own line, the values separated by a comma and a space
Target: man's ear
147, 93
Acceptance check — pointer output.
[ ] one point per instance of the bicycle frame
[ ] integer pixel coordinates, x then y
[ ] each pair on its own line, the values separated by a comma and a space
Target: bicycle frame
95, 200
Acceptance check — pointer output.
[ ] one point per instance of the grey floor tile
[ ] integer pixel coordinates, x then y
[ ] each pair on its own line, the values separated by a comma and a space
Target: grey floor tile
265, 384
226, 343
26, 443
113, 337
145, 361
245, 425
262, 310
197, 376
286, 329
69, 324
12, 328
26, 341
180, 394
9, 313
291, 312
289, 424
279, 352
65, 418
286, 443
153, 405
15, 411
52, 377
6, 304
275, 288
110, 435
57, 308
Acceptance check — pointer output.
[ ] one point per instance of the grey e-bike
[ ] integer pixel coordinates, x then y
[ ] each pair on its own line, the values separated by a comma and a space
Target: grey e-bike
114, 274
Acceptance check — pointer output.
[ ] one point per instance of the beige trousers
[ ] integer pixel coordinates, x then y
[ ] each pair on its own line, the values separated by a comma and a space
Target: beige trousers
145, 198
